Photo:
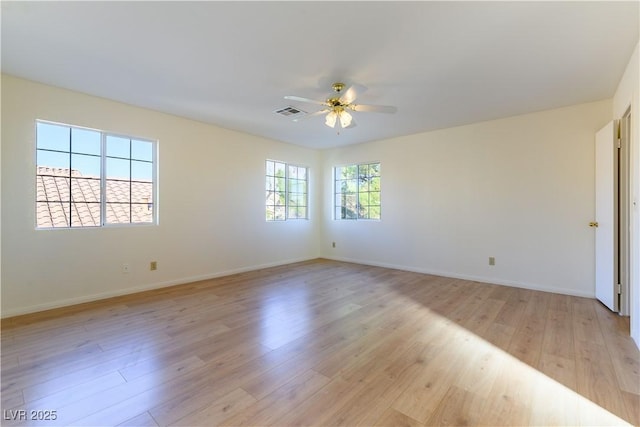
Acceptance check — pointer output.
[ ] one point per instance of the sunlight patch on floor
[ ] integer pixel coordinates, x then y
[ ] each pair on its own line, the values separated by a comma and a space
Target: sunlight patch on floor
487, 370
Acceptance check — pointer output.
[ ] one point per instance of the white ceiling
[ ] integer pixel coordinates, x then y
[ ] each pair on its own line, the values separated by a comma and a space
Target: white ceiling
441, 64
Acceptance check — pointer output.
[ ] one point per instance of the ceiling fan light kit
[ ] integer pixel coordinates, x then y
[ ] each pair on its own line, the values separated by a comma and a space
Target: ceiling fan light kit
336, 107
345, 119
330, 119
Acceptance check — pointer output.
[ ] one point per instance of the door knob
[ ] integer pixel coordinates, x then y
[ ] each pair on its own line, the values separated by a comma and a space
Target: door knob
593, 224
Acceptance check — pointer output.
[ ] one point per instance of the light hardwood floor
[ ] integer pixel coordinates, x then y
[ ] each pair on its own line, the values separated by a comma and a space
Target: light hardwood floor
323, 343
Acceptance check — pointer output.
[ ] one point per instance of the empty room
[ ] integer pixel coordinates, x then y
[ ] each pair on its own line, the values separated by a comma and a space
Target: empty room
320, 213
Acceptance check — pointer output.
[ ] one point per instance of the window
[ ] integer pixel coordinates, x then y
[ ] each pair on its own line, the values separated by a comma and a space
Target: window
286, 191
89, 178
357, 191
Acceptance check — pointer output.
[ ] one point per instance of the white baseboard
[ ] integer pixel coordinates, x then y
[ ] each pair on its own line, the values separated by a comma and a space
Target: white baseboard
489, 280
158, 285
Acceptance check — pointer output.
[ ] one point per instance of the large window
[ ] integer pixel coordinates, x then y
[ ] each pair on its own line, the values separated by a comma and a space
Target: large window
357, 191
89, 178
286, 191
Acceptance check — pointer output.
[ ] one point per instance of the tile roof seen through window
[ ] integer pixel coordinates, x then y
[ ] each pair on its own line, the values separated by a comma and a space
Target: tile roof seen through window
67, 198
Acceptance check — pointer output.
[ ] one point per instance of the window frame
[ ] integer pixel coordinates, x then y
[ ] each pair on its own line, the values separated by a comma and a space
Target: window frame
287, 192
102, 178
357, 192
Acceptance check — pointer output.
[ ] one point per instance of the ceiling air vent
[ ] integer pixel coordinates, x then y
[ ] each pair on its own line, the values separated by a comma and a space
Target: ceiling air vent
290, 111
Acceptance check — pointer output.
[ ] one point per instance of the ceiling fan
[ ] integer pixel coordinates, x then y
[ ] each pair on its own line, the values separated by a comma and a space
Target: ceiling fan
337, 106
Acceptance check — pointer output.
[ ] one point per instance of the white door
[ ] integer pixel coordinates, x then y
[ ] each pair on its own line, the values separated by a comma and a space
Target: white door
606, 214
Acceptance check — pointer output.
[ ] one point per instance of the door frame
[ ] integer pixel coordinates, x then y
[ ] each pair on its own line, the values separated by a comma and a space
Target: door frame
624, 213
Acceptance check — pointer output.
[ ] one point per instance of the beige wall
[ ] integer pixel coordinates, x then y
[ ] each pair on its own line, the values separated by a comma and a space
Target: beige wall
519, 189
211, 206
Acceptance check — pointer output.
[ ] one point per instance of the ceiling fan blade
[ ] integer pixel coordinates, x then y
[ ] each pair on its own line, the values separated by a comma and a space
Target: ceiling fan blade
352, 93
301, 99
306, 116
374, 108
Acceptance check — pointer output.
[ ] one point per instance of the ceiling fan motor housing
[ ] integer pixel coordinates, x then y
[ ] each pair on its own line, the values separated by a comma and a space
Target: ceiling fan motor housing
335, 101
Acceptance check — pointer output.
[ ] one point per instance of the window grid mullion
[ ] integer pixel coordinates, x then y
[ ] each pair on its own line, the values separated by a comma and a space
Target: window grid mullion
70, 184
154, 183
286, 192
130, 182
103, 178
358, 192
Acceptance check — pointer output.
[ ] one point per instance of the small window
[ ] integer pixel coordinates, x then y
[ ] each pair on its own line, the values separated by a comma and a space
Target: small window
357, 191
287, 189
89, 178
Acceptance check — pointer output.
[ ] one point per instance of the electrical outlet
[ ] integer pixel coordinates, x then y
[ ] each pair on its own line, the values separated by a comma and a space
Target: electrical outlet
125, 268
333, 244
153, 265
492, 260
